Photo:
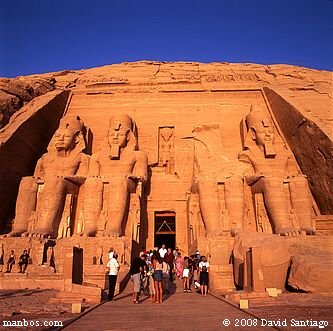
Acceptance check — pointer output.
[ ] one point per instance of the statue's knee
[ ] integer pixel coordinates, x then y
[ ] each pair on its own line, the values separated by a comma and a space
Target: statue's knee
27, 182
207, 186
93, 184
272, 182
234, 185
60, 185
299, 182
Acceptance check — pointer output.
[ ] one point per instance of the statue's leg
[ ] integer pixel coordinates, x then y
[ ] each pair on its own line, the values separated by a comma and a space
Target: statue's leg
118, 199
234, 198
277, 207
51, 206
209, 206
25, 204
93, 202
301, 202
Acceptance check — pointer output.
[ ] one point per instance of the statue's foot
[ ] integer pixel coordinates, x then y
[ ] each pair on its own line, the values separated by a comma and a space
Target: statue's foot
109, 233
14, 233
41, 233
288, 231
309, 231
214, 233
88, 233
234, 231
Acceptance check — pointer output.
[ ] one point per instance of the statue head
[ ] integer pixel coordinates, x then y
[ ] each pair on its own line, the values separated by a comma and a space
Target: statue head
69, 133
121, 133
261, 130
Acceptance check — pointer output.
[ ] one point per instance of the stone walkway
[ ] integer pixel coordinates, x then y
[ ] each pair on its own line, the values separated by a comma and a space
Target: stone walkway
179, 311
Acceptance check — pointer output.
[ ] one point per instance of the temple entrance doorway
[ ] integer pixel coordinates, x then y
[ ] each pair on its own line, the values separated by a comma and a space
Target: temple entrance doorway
165, 229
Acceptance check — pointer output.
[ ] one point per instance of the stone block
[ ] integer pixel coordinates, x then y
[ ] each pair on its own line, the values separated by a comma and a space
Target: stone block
272, 291
76, 308
243, 304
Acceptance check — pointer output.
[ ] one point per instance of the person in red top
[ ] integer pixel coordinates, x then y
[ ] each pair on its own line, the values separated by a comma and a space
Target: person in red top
169, 258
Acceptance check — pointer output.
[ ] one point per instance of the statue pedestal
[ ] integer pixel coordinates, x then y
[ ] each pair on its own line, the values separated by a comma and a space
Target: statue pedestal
75, 260
218, 252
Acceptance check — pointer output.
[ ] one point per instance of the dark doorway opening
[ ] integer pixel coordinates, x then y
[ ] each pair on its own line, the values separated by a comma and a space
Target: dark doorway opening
77, 268
165, 229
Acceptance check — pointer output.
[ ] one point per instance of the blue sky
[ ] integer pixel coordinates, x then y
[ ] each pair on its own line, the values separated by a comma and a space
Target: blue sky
39, 36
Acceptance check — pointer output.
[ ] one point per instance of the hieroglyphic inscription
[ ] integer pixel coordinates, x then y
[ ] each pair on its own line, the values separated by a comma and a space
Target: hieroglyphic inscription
102, 80
217, 77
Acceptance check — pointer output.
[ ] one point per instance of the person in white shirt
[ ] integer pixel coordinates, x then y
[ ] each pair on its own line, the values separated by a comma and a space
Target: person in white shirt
113, 267
111, 252
203, 275
162, 251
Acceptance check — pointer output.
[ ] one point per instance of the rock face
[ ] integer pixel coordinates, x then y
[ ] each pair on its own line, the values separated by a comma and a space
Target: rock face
311, 274
186, 154
23, 142
15, 93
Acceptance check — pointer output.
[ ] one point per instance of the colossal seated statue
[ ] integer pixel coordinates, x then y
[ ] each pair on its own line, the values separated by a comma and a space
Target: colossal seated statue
60, 171
272, 165
114, 173
221, 212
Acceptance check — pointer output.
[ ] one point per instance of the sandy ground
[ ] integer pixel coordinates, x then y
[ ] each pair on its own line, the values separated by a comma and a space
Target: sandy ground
32, 306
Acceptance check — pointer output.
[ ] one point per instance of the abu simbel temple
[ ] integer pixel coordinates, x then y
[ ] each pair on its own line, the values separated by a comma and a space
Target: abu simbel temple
231, 160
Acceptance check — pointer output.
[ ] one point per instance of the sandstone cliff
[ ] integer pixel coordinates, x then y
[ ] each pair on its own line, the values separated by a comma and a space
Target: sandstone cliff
16, 92
308, 90
300, 98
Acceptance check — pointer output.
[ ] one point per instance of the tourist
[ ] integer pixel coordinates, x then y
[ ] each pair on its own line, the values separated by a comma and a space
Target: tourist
1, 258
158, 278
191, 262
111, 252
186, 274
150, 273
11, 261
23, 263
169, 258
175, 253
204, 278
113, 267
162, 251
195, 268
137, 267
179, 266
143, 251
166, 277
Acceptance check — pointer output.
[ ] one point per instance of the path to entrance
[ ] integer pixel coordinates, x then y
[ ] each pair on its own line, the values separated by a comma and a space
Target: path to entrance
179, 311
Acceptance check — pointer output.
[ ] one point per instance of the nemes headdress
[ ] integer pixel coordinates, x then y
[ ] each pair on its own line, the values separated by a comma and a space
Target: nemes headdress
76, 125
121, 122
73, 123
256, 118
